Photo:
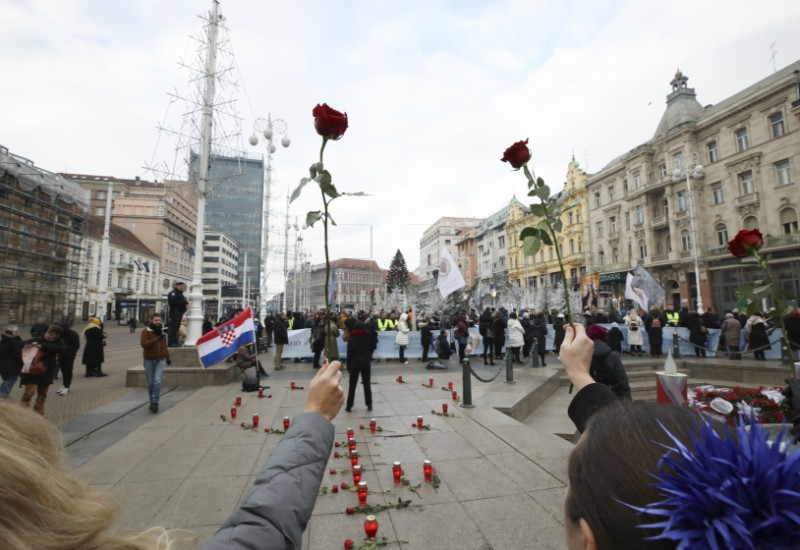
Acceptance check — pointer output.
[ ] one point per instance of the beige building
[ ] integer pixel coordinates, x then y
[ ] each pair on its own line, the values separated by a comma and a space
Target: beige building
162, 215
446, 231
642, 205
534, 275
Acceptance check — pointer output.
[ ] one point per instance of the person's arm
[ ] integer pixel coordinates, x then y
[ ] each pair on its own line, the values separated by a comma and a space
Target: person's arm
576, 356
275, 512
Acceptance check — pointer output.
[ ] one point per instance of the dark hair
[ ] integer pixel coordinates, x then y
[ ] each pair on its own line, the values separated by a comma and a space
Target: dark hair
55, 328
612, 465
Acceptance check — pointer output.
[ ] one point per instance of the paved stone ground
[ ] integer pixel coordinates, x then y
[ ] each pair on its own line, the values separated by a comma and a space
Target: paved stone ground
502, 482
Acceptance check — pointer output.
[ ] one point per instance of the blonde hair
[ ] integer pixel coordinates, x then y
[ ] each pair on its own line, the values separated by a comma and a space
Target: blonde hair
44, 507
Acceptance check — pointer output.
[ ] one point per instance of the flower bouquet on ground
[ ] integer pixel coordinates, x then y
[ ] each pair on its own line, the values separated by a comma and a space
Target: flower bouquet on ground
766, 405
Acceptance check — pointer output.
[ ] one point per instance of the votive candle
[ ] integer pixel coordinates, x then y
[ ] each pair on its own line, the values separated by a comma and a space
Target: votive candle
255, 420
233, 412
373, 425
371, 527
397, 472
356, 474
286, 422
427, 470
362, 493
419, 422
353, 457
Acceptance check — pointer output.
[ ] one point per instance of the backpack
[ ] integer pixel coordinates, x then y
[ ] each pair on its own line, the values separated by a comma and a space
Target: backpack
656, 322
633, 326
251, 384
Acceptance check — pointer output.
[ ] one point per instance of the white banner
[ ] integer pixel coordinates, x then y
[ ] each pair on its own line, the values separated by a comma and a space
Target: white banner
450, 278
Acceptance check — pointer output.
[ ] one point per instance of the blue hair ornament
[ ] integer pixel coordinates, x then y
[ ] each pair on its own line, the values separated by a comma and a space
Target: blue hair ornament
727, 494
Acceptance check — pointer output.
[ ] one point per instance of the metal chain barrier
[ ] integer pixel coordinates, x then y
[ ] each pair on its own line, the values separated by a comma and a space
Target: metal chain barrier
486, 380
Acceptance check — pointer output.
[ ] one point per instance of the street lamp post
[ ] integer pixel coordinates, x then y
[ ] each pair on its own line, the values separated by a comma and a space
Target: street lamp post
268, 128
692, 170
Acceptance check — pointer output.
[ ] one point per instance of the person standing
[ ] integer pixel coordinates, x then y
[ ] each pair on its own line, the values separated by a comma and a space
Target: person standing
607, 367
132, 324
281, 338
359, 356
654, 324
757, 336
38, 328
485, 330
731, 331
698, 333
177, 307
93, 355
516, 336
425, 336
208, 325
51, 345
614, 338
10, 359
539, 333
558, 329
317, 339
269, 325
499, 330
66, 360
635, 338
156, 358
402, 337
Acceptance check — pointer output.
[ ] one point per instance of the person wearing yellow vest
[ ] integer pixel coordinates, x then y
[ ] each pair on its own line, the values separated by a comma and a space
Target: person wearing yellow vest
290, 322
673, 318
392, 321
384, 324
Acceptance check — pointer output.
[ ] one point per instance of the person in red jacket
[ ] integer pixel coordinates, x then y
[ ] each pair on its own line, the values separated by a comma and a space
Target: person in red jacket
156, 358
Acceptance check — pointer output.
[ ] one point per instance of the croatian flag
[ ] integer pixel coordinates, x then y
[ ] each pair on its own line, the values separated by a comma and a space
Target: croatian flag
222, 342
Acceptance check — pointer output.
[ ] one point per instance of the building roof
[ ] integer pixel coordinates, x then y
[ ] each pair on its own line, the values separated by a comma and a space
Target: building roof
30, 177
118, 236
498, 219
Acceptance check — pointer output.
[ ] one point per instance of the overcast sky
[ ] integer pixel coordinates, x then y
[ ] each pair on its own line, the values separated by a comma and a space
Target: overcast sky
435, 91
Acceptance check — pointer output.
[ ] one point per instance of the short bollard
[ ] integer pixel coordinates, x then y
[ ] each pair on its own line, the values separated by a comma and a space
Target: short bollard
535, 353
676, 348
509, 367
466, 385
785, 359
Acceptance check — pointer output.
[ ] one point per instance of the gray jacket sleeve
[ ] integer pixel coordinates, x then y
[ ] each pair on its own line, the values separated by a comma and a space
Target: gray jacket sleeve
275, 512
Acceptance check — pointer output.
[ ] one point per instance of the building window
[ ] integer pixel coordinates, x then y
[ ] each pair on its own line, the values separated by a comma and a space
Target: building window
637, 180
101, 195
501, 242
776, 124
666, 208
627, 220
597, 202
615, 256
782, 172
572, 246
722, 234
639, 209
677, 161
713, 154
570, 218
601, 257
642, 250
99, 211
600, 230
686, 241
746, 183
741, 139
612, 225
788, 220
717, 195
662, 170
682, 201
611, 193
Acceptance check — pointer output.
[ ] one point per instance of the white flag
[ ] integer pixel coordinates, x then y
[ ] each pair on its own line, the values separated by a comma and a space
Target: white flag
635, 294
450, 278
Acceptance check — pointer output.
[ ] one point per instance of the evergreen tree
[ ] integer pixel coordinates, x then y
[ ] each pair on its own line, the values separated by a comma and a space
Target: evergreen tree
397, 278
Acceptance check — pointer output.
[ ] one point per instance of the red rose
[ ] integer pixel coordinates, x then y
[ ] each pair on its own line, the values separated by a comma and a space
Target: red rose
517, 155
349, 511
336, 444
344, 486
745, 241
348, 544
336, 454
335, 489
329, 123
333, 471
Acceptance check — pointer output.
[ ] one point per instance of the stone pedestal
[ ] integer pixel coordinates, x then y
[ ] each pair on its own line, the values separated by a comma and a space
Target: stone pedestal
185, 371
671, 388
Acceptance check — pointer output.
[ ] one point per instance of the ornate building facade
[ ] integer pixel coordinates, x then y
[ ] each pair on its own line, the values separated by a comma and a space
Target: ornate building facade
654, 206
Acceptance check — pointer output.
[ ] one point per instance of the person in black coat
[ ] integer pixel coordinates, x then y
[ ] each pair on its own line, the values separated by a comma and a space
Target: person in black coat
527, 326
499, 330
93, 355
51, 345
487, 333
654, 323
558, 328
425, 336
66, 360
539, 332
696, 334
615, 338
281, 335
606, 365
792, 324
359, 356
10, 359
177, 307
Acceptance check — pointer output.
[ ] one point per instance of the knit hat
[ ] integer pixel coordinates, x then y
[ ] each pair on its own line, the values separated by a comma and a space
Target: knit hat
596, 332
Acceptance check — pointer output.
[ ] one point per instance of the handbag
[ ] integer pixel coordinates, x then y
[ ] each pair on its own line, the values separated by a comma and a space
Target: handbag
32, 363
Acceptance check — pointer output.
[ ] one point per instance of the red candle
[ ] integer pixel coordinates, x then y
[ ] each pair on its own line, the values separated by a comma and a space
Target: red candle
353, 457
397, 472
444, 408
430, 381
293, 386
356, 474
238, 400
261, 392
362, 493
351, 444
350, 433
373, 425
255, 420
233, 412
419, 422
455, 395
371, 527
427, 470
286, 422
450, 385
